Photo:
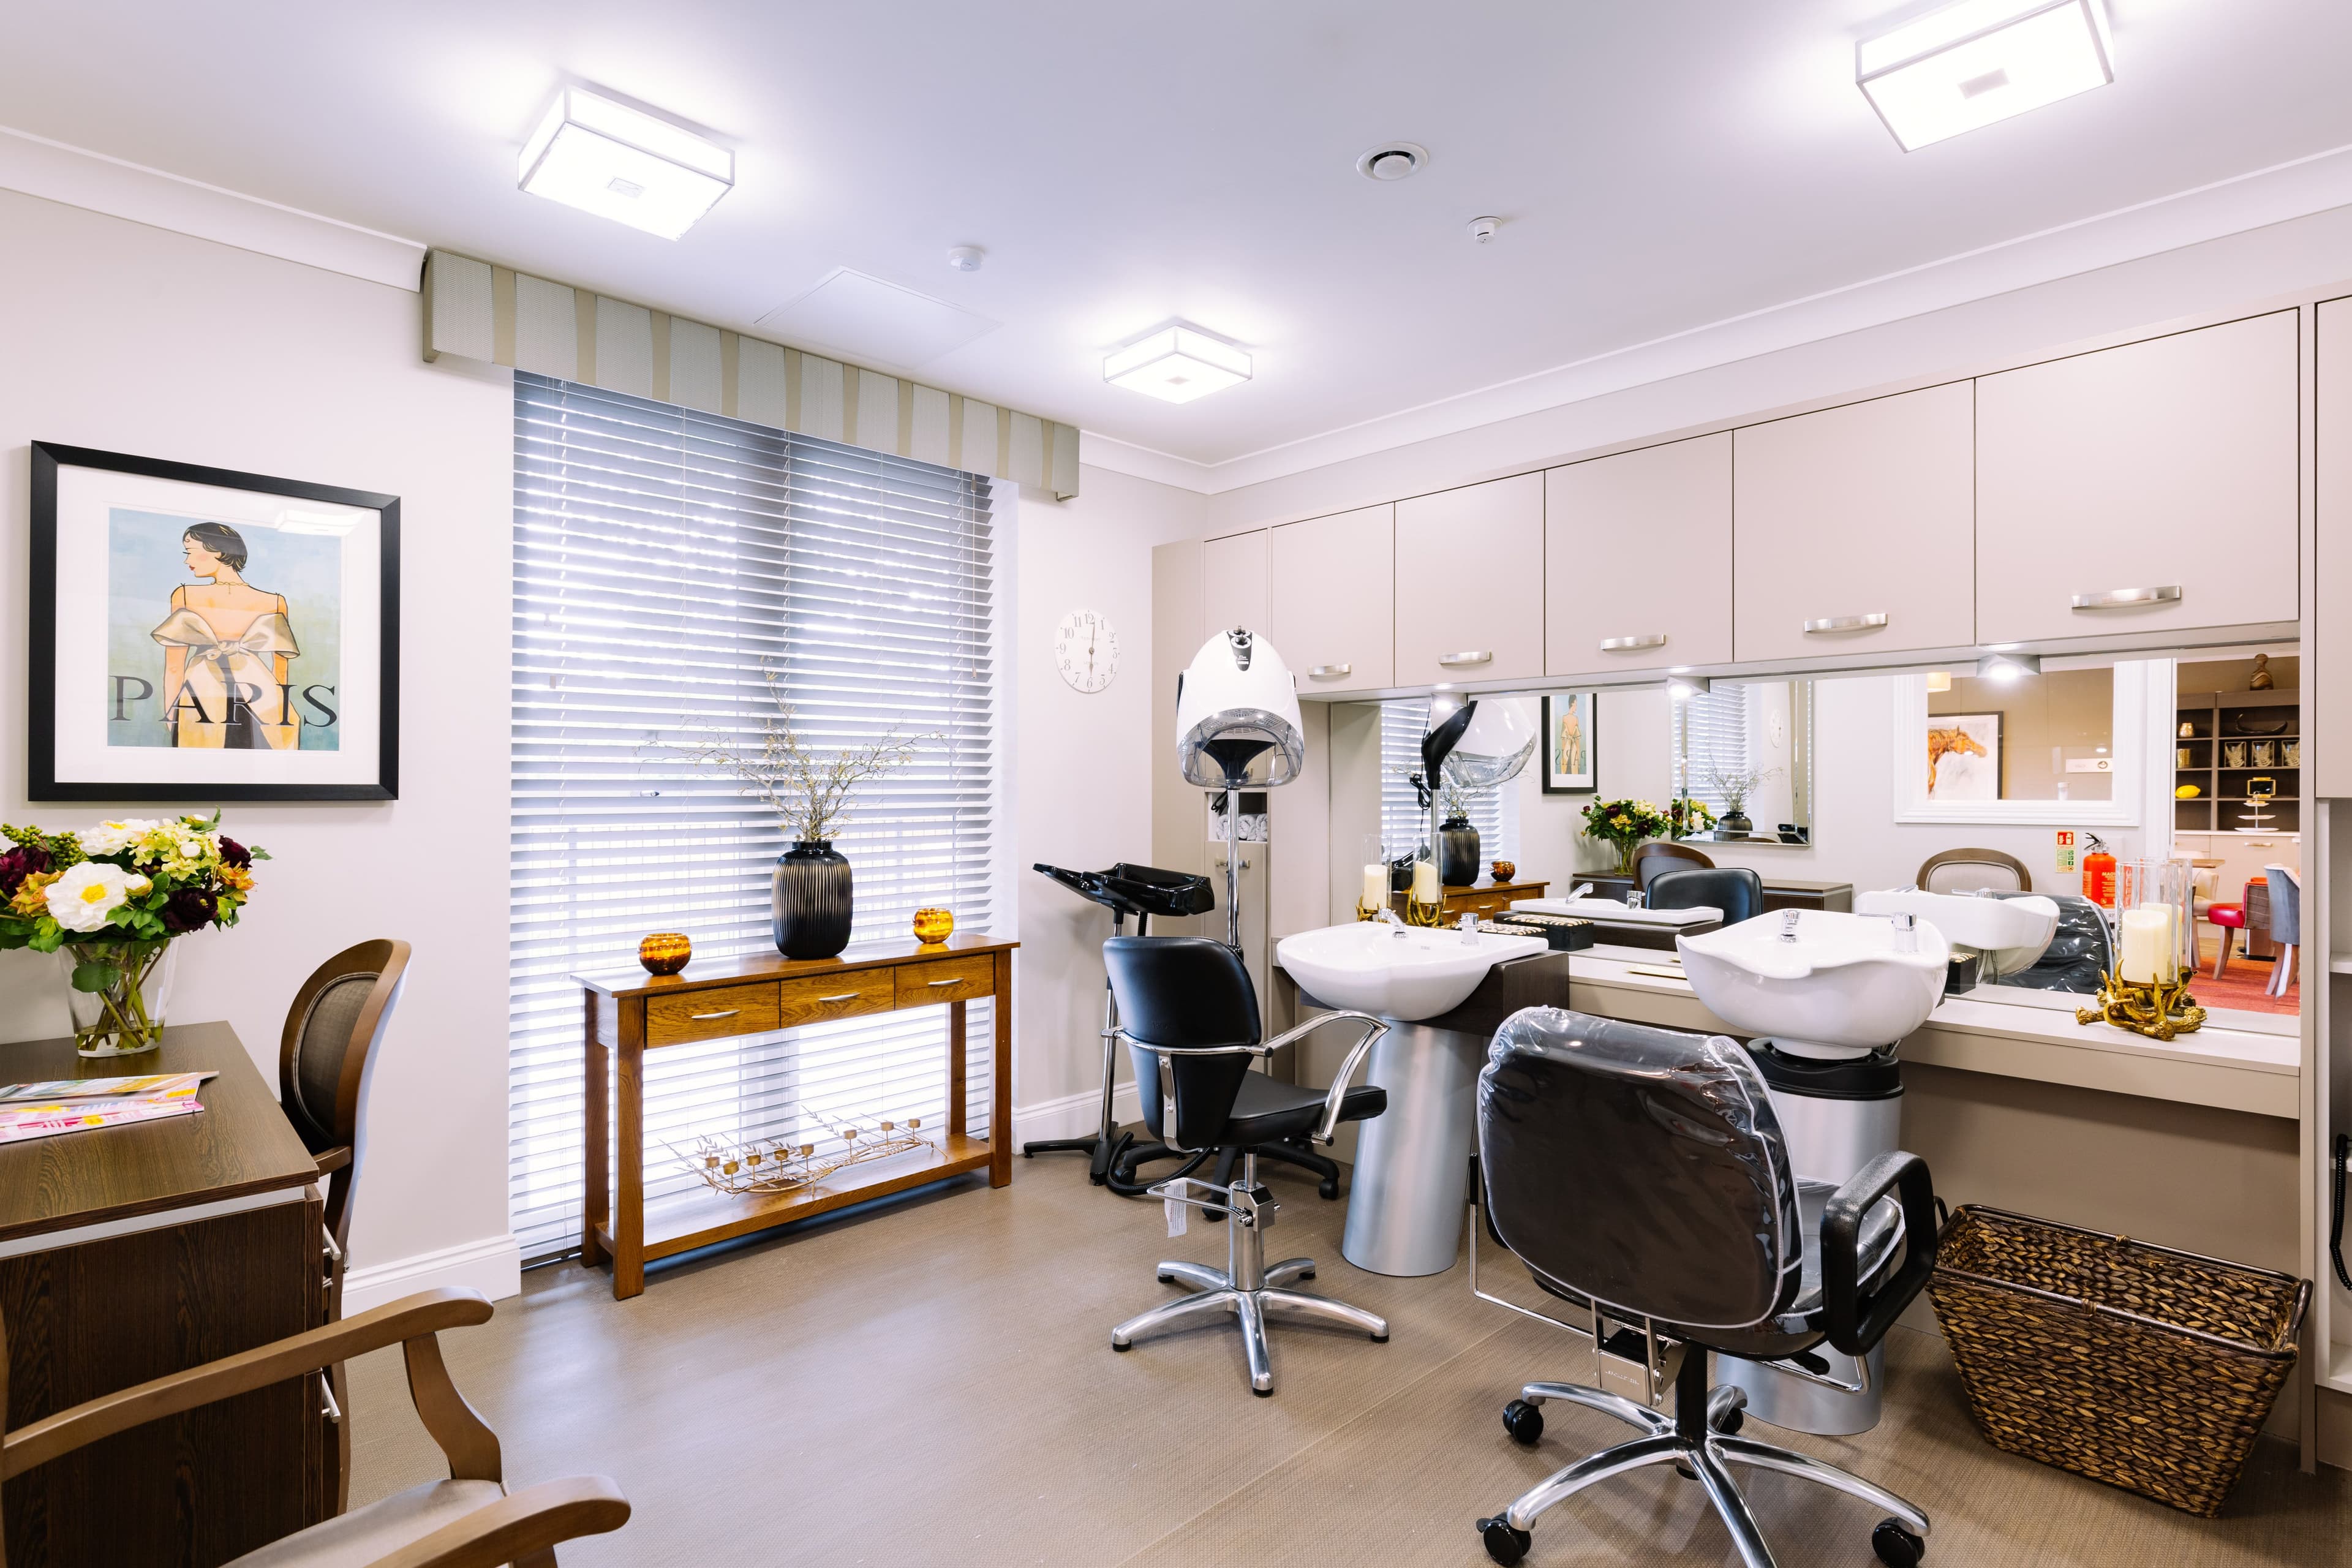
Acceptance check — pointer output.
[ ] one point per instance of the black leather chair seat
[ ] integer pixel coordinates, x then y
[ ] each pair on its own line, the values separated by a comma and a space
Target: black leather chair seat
1268, 1111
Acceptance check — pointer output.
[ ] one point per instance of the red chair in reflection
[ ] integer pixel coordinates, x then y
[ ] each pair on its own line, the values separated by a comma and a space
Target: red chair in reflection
2231, 918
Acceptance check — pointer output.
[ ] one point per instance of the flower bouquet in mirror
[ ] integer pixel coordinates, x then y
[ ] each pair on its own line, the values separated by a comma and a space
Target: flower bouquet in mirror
111, 900
1687, 816
1624, 825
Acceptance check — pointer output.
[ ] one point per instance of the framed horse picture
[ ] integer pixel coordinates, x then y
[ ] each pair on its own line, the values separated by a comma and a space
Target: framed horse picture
202, 636
1964, 759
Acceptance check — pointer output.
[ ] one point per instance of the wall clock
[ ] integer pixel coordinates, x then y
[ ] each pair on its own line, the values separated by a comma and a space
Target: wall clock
1086, 649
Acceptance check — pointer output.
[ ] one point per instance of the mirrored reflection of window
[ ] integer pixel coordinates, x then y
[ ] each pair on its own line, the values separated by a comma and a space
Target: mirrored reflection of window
1404, 827
1745, 752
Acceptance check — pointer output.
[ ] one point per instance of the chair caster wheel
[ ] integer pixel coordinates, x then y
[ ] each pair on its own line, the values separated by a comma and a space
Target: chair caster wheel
1732, 1421
1262, 1392
1524, 1422
1327, 1189
1380, 1339
1896, 1547
1116, 1346
1504, 1544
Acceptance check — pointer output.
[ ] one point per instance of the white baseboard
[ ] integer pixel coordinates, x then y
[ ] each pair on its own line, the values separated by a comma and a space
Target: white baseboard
1071, 1115
492, 1265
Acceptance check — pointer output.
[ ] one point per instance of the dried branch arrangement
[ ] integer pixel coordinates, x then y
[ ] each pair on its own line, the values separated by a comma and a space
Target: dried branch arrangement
781, 1165
809, 788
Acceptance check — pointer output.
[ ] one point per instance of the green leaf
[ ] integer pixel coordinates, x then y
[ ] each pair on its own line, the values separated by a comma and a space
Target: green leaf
95, 976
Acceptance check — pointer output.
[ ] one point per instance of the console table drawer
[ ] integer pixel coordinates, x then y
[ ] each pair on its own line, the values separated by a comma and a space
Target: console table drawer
945, 979
709, 1015
820, 997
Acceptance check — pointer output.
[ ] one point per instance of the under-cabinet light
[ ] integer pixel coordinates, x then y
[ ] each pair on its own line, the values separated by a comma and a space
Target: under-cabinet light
1972, 63
622, 163
1177, 364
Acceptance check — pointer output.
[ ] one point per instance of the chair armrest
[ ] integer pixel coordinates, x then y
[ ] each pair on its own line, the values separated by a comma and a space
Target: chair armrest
513, 1528
1328, 1128
412, 1318
1856, 1323
332, 1160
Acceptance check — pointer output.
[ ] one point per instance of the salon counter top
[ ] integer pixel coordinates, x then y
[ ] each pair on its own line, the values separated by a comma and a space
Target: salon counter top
2032, 1036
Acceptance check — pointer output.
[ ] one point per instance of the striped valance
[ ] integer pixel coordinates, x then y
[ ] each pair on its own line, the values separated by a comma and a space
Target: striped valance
476, 311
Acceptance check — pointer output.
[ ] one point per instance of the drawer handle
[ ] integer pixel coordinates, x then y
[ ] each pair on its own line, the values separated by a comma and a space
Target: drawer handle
2116, 598
1845, 623
1472, 656
334, 1412
1623, 645
954, 981
1329, 671
707, 1018
844, 996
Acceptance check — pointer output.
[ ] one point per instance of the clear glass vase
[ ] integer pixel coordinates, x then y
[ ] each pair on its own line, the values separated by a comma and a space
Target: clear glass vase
117, 989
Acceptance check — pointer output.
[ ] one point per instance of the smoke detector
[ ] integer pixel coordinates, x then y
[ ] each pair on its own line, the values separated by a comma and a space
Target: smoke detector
966, 258
1393, 160
1482, 229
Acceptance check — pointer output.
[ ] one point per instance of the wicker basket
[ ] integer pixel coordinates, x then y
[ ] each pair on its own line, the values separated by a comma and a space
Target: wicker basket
2132, 1364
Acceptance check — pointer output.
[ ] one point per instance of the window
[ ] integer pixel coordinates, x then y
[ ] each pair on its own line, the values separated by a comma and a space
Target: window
1404, 826
1752, 739
2078, 747
667, 564
1711, 735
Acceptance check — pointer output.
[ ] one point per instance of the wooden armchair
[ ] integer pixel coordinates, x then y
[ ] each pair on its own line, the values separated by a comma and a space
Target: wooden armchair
467, 1521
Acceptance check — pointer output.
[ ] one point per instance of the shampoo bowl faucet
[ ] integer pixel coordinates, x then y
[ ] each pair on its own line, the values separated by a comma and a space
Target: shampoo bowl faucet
1388, 916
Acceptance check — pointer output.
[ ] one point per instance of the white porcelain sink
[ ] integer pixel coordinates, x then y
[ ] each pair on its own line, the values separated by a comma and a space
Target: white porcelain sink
1845, 980
2013, 933
1409, 975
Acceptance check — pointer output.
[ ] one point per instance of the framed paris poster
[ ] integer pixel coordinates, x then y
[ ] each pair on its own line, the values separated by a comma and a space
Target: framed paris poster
202, 636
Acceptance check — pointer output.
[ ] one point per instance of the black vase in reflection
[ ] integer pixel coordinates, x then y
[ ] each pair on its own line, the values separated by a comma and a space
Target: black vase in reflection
1457, 852
811, 903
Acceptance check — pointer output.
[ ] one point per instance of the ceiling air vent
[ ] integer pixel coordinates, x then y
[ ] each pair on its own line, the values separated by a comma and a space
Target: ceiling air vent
1393, 161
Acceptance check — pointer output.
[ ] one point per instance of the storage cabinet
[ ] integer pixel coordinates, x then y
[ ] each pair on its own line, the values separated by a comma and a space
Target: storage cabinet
1609, 608
2168, 465
1470, 583
1232, 583
1852, 529
2329, 749
1334, 622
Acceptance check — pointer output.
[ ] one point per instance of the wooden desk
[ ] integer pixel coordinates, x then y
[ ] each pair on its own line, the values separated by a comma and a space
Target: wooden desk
633, 1012
130, 1252
1488, 897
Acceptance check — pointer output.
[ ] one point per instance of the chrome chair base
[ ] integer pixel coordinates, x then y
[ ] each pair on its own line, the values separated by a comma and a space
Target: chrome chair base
1705, 1456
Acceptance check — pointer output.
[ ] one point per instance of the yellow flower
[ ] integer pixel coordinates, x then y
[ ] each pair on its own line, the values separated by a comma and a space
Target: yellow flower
1621, 820
236, 877
31, 900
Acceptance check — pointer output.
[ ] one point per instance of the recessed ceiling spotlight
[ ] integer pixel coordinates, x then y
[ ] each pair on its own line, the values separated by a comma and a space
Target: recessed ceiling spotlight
1972, 63
966, 258
622, 163
1177, 364
1393, 160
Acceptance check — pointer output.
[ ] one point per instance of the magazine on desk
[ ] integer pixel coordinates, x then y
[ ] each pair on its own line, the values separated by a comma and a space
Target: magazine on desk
74, 1105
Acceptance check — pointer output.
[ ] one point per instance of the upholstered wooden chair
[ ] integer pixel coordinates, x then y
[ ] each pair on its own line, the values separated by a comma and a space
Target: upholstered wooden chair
326, 1059
1659, 857
470, 1521
1972, 870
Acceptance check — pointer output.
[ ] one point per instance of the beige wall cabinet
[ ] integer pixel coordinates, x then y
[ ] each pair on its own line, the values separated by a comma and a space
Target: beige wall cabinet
2166, 465
2329, 733
1334, 619
1232, 583
1609, 607
1470, 583
1852, 529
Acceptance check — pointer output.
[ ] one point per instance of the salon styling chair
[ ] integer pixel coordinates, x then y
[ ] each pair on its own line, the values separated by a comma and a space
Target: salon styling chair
1190, 1017
1641, 1176
1736, 890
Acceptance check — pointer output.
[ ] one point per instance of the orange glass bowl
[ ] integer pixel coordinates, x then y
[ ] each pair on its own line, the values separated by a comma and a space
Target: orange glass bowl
665, 952
934, 925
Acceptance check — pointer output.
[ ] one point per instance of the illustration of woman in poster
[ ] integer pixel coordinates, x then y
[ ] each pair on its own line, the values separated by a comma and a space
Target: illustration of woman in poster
225, 647
1571, 762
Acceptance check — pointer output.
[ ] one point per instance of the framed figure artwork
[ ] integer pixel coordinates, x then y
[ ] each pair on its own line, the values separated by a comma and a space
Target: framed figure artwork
1571, 743
202, 636
1964, 759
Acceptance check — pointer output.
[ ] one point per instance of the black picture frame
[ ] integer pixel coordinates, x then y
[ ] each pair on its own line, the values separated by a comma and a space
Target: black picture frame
1556, 705
42, 783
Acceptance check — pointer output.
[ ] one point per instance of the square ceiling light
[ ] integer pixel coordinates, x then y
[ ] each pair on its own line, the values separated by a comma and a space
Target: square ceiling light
622, 163
1177, 364
1970, 64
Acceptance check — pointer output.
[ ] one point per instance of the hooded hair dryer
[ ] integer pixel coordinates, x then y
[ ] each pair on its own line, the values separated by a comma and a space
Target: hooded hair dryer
1237, 728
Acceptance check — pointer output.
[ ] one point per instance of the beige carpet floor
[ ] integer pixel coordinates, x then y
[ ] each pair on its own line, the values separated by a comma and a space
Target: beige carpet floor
932, 1384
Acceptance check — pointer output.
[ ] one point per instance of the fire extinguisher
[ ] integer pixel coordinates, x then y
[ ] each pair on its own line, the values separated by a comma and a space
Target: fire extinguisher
2098, 873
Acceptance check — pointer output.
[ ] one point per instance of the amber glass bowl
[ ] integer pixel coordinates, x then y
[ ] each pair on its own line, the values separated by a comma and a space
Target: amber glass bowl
665, 952
1505, 871
934, 925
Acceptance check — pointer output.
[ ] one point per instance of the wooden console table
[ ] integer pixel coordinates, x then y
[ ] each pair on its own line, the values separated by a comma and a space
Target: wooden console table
633, 1012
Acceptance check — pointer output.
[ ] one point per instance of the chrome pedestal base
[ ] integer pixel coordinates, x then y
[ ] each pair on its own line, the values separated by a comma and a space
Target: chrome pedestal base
1413, 1160
1703, 1452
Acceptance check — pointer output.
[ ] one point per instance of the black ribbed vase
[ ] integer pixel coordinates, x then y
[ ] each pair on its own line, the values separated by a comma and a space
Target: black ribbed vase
1457, 852
812, 900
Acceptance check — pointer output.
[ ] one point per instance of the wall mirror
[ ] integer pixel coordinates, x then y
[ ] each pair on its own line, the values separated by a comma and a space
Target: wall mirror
1744, 750
2006, 743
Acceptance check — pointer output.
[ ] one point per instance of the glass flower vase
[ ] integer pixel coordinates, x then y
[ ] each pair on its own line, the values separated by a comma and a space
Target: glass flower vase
1625, 849
117, 990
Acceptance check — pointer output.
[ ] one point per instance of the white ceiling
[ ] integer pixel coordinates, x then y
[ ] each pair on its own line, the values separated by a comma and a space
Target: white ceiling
1659, 166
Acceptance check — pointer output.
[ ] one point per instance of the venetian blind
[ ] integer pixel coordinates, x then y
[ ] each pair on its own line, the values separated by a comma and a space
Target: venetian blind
669, 566
1710, 732
1404, 826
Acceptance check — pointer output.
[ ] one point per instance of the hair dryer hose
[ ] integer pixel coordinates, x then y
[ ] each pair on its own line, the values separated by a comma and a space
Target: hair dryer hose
2335, 1210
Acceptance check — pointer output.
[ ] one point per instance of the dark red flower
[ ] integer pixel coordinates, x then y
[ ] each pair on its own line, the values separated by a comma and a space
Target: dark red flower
18, 864
189, 909
233, 853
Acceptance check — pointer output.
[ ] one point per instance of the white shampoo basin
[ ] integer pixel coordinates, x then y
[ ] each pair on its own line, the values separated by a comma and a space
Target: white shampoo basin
1823, 977
1409, 975
2013, 933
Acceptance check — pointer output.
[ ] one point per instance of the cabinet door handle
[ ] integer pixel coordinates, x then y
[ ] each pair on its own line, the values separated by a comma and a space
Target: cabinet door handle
1625, 645
844, 996
1469, 656
334, 1412
1844, 624
1329, 671
951, 981
707, 1018
2116, 598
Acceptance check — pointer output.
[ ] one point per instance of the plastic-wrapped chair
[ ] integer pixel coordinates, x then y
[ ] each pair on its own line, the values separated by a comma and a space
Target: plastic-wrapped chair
2079, 957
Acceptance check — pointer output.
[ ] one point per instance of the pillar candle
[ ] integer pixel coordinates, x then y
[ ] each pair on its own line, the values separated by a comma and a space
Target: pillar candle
1376, 887
2147, 945
1425, 882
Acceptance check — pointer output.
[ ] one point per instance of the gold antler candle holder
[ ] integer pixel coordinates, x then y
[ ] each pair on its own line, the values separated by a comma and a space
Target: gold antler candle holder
1417, 914
1365, 911
2157, 1009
